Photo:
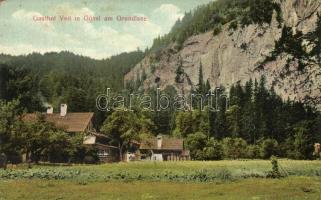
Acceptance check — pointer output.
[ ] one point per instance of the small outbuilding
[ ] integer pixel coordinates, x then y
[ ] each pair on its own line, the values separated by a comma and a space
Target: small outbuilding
163, 148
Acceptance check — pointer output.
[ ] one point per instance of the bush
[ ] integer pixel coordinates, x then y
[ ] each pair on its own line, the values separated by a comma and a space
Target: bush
233, 25
217, 30
275, 173
269, 147
213, 150
286, 148
303, 145
195, 143
202, 148
234, 148
253, 151
300, 146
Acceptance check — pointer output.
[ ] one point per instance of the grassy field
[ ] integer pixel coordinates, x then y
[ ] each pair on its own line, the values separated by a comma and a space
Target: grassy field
166, 180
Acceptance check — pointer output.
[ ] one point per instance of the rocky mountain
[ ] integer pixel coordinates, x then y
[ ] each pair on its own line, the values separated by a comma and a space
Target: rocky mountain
286, 52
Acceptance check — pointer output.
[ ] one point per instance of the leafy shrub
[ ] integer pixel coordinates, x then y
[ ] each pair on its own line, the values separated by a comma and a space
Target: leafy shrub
234, 148
303, 145
233, 25
253, 151
275, 173
195, 143
213, 150
269, 147
217, 30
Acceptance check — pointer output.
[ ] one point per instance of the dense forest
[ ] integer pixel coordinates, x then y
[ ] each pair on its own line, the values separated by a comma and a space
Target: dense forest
55, 78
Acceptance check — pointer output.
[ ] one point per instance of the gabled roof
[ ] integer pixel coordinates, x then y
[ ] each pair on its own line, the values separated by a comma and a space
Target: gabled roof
72, 122
167, 144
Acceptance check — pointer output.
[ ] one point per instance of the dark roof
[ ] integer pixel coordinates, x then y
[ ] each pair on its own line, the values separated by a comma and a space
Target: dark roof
72, 122
167, 144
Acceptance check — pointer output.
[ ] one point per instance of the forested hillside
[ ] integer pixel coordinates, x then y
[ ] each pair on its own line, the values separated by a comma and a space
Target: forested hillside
216, 14
54, 78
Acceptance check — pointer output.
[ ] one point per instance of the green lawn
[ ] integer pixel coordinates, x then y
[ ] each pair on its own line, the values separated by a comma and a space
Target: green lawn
288, 188
164, 180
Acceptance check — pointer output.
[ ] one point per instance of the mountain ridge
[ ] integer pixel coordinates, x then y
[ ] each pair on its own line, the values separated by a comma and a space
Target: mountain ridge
285, 52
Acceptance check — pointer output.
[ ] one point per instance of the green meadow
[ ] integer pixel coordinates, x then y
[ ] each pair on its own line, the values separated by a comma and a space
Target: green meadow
238, 179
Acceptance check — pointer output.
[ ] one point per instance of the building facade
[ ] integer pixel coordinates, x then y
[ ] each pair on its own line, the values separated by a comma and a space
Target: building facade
162, 148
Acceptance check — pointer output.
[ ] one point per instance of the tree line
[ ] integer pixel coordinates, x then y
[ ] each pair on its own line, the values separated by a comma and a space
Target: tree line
257, 124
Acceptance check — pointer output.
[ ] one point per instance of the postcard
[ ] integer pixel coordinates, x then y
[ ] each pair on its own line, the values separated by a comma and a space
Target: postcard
160, 99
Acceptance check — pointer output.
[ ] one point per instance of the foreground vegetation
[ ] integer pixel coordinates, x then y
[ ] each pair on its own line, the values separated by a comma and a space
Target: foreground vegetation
191, 171
290, 188
164, 180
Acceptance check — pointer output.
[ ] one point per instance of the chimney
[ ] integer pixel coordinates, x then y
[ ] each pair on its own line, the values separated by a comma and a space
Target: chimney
63, 110
159, 142
49, 110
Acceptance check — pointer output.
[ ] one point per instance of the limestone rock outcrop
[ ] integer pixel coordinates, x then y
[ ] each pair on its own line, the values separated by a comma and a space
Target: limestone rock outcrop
237, 55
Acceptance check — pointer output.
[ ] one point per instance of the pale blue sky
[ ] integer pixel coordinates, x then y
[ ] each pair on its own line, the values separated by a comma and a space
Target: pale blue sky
20, 34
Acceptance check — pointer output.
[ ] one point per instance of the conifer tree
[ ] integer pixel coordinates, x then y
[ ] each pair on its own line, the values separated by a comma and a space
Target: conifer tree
318, 33
207, 86
248, 90
179, 72
200, 80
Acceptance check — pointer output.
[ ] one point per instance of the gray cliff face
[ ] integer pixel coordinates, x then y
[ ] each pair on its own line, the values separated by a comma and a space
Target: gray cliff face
237, 55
